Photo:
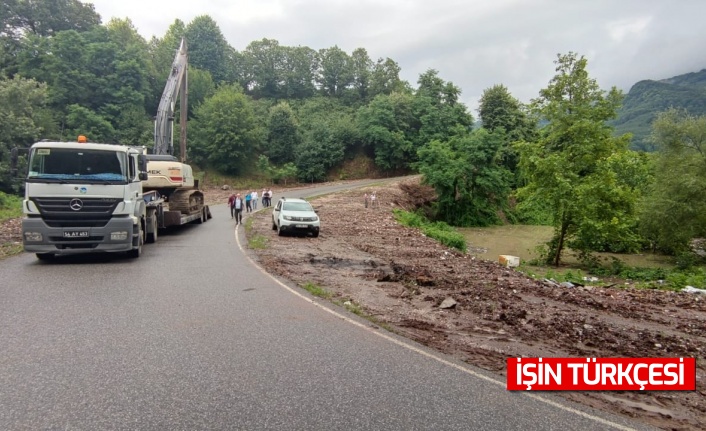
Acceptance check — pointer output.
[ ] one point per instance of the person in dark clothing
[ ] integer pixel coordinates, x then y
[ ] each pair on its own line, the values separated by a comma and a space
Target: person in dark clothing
231, 202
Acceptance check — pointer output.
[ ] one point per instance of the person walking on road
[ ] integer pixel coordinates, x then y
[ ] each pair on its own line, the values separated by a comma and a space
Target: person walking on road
231, 202
238, 205
248, 200
253, 199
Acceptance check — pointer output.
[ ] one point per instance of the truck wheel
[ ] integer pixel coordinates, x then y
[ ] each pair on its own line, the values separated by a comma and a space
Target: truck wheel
137, 252
45, 256
280, 232
202, 218
152, 237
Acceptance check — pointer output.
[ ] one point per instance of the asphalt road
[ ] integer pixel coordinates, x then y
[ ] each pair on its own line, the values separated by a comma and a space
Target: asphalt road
194, 336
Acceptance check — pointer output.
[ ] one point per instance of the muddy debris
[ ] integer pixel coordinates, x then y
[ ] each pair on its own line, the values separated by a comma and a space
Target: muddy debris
401, 278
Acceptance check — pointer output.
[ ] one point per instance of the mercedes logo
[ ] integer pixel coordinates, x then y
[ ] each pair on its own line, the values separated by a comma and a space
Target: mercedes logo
76, 204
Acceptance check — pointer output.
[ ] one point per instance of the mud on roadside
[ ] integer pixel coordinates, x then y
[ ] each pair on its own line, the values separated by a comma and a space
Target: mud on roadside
399, 277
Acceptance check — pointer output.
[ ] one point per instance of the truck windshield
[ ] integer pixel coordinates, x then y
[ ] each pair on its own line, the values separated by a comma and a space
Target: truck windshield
71, 164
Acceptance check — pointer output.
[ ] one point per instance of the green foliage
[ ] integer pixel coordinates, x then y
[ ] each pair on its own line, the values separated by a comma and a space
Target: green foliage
208, 48
439, 231
46, 18
336, 73
317, 290
674, 212
327, 131
225, 133
10, 206
574, 165
470, 183
24, 120
83, 121
283, 134
385, 125
499, 110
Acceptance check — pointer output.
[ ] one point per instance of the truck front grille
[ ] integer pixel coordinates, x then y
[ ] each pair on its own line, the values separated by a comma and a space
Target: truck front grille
76, 212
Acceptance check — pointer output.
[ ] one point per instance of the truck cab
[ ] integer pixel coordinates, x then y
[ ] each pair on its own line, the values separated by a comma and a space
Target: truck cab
83, 197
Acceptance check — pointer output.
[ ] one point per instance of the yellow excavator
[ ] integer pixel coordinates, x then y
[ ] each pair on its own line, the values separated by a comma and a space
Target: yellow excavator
171, 177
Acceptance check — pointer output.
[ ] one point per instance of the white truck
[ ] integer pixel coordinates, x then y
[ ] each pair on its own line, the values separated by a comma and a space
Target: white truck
86, 197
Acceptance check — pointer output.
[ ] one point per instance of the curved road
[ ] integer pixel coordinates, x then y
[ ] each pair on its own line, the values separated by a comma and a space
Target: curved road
194, 336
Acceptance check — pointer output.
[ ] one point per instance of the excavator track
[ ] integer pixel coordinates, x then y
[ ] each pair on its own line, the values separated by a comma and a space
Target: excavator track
186, 201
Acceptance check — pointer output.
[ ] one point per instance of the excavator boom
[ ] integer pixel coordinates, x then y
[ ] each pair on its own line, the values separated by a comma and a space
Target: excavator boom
176, 87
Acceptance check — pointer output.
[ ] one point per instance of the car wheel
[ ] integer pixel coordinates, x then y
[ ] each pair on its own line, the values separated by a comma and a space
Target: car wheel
279, 231
315, 234
274, 226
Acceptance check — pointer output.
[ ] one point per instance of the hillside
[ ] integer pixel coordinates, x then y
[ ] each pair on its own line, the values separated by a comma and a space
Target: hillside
647, 98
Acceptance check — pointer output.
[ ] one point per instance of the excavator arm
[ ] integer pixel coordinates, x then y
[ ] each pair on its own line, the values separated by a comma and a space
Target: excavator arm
176, 87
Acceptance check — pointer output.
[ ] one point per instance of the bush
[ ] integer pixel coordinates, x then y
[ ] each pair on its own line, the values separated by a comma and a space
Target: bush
10, 206
439, 231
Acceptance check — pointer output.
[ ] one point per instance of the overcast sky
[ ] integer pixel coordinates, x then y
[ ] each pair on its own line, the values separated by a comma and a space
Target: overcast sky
473, 43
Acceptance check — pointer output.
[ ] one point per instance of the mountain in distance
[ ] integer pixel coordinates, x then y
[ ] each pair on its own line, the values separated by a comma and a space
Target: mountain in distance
648, 98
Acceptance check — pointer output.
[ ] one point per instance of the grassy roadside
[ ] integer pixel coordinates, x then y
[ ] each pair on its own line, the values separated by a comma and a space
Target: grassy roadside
348, 304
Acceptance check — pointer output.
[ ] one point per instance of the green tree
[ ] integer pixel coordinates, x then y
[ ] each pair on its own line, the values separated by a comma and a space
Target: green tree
47, 17
225, 134
208, 48
266, 63
385, 125
571, 166
470, 183
282, 134
499, 110
336, 74
674, 212
385, 78
25, 119
301, 65
82, 121
362, 73
439, 114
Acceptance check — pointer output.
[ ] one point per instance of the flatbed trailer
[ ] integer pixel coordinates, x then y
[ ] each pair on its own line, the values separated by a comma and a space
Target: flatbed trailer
158, 215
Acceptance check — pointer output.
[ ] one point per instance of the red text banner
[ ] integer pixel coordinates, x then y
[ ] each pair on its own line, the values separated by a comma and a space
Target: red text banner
601, 374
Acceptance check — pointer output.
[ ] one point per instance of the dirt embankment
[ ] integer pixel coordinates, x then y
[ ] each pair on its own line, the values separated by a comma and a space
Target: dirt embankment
400, 278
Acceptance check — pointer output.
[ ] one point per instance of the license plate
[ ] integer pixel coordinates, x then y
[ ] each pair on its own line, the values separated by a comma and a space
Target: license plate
302, 226
76, 234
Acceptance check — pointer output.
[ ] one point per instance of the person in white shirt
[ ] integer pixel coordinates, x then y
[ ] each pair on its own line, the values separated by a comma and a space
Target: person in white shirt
239, 206
253, 200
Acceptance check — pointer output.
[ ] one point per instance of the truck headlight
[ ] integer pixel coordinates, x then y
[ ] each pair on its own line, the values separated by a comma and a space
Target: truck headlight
33, 236
118, 236
287, 217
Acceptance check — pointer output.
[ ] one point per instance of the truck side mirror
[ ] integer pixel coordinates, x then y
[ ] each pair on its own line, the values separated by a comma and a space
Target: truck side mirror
13, 161
142, 163
142, 176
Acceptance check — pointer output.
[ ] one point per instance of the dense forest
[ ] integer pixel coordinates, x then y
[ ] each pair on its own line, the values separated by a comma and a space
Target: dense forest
278, 113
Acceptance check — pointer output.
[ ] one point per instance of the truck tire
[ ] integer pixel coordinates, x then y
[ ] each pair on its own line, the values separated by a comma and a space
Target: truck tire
45, 256
152, 237
202, 219
137, 252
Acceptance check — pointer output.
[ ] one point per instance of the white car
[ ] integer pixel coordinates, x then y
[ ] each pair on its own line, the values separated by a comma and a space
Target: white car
295, 216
